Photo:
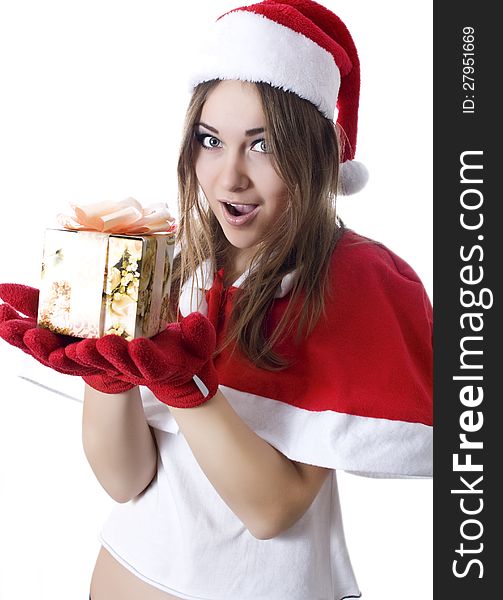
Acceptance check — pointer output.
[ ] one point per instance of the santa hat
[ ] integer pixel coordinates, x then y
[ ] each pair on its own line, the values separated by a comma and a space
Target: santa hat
300, 47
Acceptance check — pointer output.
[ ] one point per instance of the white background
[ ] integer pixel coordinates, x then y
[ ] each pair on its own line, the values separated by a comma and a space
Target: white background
91, 105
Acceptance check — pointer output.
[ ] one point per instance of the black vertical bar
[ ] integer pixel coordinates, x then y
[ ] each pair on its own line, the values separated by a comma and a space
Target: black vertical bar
468, 72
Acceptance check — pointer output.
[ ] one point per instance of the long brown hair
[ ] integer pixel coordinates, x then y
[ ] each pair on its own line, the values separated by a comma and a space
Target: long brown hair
305, 151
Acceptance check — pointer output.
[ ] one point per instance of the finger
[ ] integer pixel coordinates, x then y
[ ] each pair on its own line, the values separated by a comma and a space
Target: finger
41, 342
59, 360
84, 352
22, 297
115, 350
20, 331
150, 360
7, 313
13, 332
179, 350
199, 336
163, 357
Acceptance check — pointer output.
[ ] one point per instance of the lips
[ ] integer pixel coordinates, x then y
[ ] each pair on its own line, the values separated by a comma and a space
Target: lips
238, 214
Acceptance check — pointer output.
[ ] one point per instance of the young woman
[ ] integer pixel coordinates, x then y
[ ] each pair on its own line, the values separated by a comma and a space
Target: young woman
297, 347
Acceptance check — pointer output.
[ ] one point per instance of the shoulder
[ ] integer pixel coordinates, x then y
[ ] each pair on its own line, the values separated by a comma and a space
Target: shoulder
367, 278
364, 257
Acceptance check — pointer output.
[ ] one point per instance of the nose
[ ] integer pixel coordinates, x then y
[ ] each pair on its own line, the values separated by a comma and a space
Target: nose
234, 174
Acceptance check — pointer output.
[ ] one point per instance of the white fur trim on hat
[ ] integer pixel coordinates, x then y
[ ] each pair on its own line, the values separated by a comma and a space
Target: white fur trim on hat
250, 47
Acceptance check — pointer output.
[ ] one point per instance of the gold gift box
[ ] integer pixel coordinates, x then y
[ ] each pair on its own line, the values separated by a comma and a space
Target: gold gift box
94, 284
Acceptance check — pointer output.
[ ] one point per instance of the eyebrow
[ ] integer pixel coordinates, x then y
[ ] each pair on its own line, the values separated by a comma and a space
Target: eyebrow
248, 132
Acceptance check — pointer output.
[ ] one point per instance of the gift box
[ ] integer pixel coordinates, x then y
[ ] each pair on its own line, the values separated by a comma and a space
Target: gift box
96, 282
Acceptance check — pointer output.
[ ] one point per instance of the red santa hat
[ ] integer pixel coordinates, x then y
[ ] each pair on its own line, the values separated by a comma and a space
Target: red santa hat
299, 46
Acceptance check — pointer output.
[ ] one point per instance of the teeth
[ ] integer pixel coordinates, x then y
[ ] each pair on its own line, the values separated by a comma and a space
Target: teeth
243, 208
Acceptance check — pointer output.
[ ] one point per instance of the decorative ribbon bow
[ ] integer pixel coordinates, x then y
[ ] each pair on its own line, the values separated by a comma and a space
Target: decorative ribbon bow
126, 216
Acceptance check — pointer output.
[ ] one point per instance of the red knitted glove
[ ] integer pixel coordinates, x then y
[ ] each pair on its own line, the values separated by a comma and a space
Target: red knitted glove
173, 364
50, 349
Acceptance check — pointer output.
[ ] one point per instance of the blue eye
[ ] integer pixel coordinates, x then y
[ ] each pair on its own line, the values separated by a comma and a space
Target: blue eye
260, 146
208, 141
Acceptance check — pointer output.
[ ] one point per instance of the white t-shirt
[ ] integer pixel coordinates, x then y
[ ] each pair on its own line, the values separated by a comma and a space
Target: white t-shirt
358, 398
181, 537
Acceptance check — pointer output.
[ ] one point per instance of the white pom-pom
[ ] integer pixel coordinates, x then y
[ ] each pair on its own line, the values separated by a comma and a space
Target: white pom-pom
353, 177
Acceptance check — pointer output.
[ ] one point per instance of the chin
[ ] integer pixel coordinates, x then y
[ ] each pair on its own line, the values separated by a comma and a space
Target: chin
240, 240
240, 244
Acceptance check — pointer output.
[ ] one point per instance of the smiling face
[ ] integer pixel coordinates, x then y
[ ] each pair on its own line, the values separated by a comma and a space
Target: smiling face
235, 169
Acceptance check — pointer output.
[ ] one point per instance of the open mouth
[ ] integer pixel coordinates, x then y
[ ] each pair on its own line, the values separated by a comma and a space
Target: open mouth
238, 214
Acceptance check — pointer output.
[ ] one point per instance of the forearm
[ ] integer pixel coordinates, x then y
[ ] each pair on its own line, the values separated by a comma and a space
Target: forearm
118, 442
260, 485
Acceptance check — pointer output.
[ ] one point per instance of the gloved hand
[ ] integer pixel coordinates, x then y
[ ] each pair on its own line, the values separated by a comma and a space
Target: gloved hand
165, 363
50, 349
